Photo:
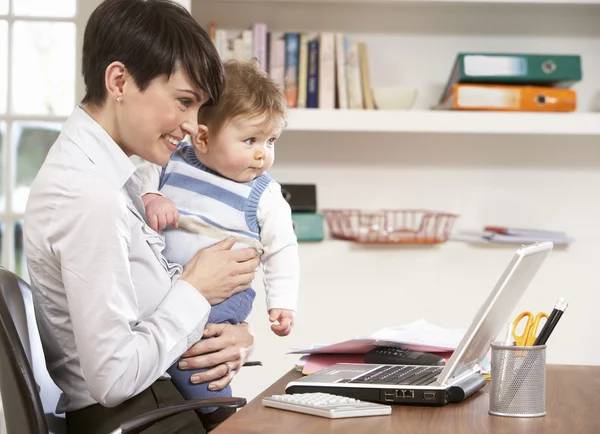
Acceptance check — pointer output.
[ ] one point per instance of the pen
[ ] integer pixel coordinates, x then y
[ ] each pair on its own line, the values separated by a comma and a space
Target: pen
559, 309
557, 312
256, 363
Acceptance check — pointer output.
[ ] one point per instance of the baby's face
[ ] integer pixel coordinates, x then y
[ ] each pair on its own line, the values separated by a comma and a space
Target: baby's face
244, 148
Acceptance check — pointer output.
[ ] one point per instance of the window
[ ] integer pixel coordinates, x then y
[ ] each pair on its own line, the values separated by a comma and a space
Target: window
37, 92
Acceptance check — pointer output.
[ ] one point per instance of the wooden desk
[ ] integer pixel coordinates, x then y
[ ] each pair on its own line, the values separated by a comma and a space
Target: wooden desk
572, 407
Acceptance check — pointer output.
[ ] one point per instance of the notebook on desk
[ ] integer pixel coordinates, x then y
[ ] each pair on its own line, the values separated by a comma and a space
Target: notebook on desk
436, 385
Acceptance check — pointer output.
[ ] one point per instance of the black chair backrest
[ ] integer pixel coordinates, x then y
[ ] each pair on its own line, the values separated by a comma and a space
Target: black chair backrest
23, 410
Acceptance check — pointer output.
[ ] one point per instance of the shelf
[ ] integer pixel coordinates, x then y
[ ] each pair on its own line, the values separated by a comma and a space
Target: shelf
527, 2
448, 122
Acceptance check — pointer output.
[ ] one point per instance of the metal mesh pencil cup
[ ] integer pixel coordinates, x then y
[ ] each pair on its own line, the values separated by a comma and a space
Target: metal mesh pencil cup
518, 381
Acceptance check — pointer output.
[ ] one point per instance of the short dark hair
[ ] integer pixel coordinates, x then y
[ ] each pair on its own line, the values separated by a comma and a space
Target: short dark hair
151, 38
249, 92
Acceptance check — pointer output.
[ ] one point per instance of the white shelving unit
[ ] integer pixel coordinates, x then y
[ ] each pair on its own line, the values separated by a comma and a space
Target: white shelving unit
538, 170
412, 43
455, 122
536, 2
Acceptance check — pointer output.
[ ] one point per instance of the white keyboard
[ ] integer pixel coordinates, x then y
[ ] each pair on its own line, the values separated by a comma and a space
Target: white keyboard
326, 405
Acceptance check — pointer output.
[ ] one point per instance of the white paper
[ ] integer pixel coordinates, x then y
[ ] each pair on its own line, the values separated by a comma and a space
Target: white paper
351, 346
419, 335
476, 236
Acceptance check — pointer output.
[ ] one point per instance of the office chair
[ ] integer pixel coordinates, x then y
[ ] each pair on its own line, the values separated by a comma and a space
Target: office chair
23, 409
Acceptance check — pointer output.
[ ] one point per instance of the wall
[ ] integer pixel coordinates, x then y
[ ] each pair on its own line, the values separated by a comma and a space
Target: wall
550, 182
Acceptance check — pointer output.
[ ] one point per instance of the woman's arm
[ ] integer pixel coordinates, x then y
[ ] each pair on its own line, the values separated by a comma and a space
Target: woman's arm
120, 353
230, 344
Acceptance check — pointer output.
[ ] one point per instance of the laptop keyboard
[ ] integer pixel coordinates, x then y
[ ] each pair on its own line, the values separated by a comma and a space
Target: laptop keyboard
397, 374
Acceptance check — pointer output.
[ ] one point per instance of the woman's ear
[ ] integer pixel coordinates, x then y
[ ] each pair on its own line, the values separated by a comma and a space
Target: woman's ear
115, 78
200, 140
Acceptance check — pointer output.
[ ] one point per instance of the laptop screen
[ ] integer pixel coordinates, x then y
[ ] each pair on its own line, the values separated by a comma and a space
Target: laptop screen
495, 311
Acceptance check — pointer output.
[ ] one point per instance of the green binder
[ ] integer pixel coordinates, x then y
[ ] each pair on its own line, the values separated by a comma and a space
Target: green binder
554, 70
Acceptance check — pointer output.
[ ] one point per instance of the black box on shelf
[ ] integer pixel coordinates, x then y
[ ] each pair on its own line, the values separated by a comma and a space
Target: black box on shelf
301, 197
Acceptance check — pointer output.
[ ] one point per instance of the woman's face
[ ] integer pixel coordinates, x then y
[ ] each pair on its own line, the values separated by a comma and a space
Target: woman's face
151, 124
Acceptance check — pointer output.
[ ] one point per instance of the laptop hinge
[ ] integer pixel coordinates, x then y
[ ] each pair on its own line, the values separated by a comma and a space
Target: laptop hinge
461, 373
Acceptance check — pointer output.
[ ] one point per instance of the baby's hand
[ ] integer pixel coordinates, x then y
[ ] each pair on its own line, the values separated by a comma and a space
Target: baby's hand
286, 321
160, 211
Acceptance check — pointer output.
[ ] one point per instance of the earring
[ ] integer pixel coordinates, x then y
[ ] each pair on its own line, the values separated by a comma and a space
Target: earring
119, 98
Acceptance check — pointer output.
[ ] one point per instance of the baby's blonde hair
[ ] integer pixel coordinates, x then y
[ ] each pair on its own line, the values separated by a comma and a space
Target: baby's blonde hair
250, 92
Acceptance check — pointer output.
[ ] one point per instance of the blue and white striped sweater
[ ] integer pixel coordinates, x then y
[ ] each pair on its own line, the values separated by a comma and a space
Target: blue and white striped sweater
211, 207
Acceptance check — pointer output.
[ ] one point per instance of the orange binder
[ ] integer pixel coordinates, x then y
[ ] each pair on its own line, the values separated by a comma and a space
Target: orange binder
509, 98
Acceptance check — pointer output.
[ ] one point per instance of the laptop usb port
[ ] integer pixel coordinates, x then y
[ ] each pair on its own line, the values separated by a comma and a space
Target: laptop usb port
428, 395
388, 395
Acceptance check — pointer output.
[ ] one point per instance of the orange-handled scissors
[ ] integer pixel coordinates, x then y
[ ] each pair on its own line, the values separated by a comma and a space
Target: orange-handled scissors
527, 338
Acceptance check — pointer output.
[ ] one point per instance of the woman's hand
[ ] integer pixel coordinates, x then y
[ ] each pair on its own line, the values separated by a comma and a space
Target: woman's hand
218, 272
226, 352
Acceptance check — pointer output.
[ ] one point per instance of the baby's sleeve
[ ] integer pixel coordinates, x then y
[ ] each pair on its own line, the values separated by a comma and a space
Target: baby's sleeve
149, 174
280, 258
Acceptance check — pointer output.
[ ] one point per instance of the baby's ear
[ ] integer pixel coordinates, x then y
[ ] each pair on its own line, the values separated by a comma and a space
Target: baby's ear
200, 140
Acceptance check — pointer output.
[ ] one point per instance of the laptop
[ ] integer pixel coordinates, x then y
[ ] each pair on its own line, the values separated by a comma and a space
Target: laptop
436, 385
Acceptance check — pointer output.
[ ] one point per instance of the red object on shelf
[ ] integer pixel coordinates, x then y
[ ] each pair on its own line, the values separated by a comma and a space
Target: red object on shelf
406, 226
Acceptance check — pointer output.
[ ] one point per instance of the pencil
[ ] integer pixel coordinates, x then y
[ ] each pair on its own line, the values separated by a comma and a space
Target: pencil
557, 312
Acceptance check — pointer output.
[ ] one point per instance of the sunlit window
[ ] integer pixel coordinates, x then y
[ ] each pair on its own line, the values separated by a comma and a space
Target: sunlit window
43, 68
37, 93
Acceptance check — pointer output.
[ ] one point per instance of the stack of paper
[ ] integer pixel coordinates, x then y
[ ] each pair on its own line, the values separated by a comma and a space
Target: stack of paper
419, 336
495, 234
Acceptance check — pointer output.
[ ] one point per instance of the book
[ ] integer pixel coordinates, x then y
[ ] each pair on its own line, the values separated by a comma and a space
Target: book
292, 42
509, 98
365, 76
259, 44
302, 71
355, 92
312, 85
277, 59
554, 70
341, 46
326, 70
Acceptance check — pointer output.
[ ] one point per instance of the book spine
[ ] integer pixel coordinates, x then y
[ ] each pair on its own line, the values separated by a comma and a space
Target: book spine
365, 77
512, 98
247, 44
259, 44
277, 60
340, 69
302, 71
291, 68
327, 71
312, 91
555, 70
355, 96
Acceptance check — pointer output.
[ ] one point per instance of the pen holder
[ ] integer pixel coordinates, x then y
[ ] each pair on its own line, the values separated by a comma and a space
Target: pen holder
518, 381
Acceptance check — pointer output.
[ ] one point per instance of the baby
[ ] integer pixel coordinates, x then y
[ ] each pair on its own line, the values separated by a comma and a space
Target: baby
217, 187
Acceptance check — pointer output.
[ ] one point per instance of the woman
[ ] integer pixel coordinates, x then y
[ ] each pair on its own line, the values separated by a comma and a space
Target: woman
113, 314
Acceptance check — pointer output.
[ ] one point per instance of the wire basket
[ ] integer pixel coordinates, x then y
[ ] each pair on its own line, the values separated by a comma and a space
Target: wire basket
390, 226
518, 381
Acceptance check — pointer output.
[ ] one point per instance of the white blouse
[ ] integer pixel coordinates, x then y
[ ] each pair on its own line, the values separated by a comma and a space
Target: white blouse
112, 314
